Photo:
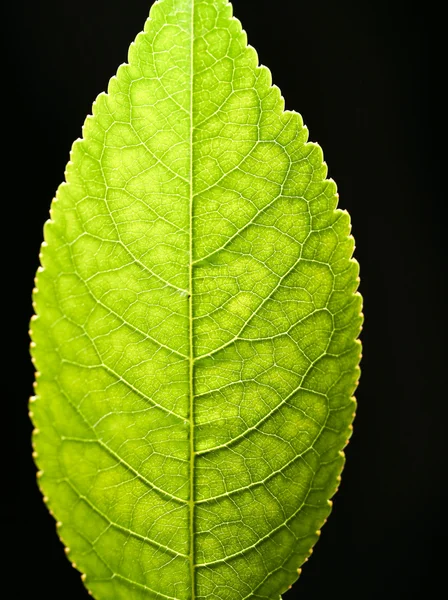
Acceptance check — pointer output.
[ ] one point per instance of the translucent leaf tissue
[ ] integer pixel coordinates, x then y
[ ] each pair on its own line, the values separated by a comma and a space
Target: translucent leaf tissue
195, 335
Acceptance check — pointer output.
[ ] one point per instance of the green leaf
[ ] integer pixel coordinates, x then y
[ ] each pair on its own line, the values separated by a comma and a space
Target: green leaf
196, 317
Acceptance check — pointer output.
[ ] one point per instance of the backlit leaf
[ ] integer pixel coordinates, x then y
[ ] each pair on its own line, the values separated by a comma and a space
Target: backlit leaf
196, 318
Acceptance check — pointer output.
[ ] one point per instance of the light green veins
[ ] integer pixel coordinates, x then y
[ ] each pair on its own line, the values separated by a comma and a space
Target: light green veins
196, 318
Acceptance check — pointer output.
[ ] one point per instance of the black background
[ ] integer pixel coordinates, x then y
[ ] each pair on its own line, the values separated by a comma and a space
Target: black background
367, 78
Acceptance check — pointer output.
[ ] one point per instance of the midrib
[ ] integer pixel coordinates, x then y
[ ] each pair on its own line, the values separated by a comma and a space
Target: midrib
190, 301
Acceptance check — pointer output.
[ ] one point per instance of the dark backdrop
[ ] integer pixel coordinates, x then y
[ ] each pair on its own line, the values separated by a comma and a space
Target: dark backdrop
367, 78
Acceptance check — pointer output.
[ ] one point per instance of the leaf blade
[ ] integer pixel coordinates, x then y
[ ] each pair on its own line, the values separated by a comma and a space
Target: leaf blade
203, 283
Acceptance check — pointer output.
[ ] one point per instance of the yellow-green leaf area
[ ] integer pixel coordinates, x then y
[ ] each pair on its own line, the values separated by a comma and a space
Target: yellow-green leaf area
196, 326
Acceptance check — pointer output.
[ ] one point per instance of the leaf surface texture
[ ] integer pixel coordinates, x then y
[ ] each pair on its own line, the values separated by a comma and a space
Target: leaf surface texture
196, 318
